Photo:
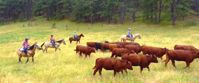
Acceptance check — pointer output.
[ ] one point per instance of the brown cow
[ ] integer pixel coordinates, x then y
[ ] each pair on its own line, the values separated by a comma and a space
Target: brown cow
185, 47
85, 50
91, 44
105, 46
117, 52
157, 51
112, 46
135, 48
117, 65
181, 55
140, 60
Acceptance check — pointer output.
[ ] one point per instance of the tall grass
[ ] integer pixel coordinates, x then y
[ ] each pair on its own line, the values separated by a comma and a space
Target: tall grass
67, 67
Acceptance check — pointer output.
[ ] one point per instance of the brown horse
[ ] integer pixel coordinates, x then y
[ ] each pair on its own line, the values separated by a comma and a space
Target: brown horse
30, 53
78, 39
49, 45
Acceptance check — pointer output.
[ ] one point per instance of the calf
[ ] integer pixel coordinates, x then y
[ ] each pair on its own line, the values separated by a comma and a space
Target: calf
117, 65
181, 55
140, 60
158, 52
117, 52
85, 50
185, 47
135, 48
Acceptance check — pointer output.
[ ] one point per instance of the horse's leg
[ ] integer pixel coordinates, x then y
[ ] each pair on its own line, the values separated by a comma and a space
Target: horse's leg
55, 49
46, 49
33, 59
59, 48
27, 59
43, 50
20, 59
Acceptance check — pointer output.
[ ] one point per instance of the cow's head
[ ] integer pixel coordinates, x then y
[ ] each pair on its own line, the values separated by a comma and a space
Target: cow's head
152, 58
165, 50
128, 64
197, 54
92, 49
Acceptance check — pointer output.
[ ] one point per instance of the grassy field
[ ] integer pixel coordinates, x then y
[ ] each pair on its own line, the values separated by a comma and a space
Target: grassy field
66, 67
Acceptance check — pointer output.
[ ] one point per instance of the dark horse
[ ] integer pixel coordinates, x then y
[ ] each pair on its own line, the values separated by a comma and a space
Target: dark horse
78, 38
31, 52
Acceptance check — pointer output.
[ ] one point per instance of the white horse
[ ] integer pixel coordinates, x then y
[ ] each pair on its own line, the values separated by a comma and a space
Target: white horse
135, 36
49, 45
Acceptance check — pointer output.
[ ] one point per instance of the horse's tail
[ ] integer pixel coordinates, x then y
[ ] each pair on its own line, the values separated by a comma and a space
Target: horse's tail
42, 44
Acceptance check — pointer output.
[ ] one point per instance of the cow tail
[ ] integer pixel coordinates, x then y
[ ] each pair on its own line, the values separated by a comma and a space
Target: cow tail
94, 67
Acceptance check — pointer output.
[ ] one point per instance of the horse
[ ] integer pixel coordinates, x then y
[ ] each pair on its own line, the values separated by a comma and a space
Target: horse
135, 36
49, 45
78, 38
30, 52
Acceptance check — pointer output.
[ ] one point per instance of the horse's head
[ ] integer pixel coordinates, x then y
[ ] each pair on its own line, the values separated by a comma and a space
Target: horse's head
81, 35
37, 46
138, 35
63, 41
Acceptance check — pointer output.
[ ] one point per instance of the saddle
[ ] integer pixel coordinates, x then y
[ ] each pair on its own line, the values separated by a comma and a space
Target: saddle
129, 37
53, 44
21, 49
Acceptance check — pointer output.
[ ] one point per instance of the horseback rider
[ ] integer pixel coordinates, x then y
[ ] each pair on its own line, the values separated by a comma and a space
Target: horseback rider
52, 40
25, 46
129, 35
75, 35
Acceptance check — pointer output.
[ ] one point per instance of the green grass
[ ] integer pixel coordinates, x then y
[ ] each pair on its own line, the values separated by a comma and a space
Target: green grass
66, 67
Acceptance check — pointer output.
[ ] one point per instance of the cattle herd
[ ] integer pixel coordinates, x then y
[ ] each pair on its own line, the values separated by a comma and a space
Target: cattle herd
127, 54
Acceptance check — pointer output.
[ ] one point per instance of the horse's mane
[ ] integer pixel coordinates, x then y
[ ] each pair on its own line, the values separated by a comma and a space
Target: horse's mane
31, 47
81, 34
59, 41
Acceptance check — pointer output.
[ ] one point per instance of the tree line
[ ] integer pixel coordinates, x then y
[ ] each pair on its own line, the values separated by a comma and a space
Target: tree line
110, 11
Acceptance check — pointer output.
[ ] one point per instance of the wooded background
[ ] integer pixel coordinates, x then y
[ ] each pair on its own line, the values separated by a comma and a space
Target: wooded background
110, 11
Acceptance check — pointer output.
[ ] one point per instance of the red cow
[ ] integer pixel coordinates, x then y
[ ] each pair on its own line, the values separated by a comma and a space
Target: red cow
181, 55
135, 48
140, 60
158, 52
85, 50
185, 47
117, 52
117, 65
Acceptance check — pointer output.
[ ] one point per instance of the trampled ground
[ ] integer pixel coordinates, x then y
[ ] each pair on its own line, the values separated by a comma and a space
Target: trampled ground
67, 67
